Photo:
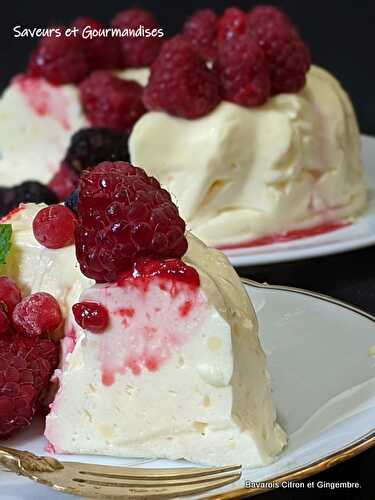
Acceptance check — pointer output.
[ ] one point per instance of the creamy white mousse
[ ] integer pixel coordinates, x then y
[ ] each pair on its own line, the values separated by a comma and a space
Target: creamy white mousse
238, 174
36, 268
37, 120
179, 373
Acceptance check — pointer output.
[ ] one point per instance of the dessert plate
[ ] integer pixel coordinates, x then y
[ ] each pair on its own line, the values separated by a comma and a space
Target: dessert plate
321, 356
360, 234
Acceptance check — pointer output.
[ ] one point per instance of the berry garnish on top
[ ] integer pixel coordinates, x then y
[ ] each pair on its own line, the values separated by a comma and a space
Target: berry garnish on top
232, 24
90, 146
180, 82
54, 226
124, 214
37, 314
27, 192
243, 72
138, 51
91, 316
201, 31
111, 102
287, 56
102, 52
59, 59
26, 366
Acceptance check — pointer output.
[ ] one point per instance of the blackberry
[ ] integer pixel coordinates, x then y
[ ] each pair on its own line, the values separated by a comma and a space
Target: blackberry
90, 146
72, 201
27, 192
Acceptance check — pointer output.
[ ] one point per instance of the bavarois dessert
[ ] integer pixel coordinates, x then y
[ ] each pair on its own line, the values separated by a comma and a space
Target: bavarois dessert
159, 355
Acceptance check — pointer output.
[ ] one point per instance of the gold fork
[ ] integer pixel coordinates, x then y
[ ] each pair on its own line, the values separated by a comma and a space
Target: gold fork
103, 481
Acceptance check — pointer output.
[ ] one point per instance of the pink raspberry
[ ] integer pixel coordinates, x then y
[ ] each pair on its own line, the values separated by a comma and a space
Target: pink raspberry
243, 72
91, 316
139, 50
123, 214
59, 59
64, 182
37, 314
200, 30
54, 226
180, 82
102, 52
232, 24
111, 102
287, 56
26, 366
10, 294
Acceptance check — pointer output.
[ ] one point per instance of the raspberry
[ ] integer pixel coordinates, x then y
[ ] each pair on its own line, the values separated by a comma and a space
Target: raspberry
174, 269
37, 314
10, 294
243, 72
54, 226
90, 146
102, 52
233, 23
123, 215
59, 59
111, 102
266, 14
91, 316
26, 365
64, 182
200, 31
27, 192
180, 82
287, 56
4, 321
140, 50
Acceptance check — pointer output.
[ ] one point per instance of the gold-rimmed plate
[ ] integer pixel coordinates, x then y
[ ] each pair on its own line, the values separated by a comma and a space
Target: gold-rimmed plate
321, 357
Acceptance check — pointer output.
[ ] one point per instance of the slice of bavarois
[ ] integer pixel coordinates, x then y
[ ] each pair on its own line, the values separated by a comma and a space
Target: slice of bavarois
179, 373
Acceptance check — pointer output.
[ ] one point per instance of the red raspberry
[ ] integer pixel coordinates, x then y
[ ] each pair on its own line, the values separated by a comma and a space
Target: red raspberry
123, 214
91, 316
180, 82
140, 50
37, 314
4, 321
200, 31
59, 59
54, 226
174, 269
102, 52
10, 294
111, 102
243, 72
64, 182
233, 23
287, 56
267, 14
26, 365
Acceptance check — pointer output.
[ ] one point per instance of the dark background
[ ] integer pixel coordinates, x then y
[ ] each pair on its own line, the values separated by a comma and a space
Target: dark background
340, 34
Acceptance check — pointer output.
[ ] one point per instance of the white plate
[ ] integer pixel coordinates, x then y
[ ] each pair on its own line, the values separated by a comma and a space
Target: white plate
358, 235
323, 378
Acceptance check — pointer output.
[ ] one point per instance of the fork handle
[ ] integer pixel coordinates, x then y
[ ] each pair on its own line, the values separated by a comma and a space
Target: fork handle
24, 462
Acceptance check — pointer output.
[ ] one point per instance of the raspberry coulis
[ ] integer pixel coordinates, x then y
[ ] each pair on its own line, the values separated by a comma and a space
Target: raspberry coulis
297, 234
141, 340
43, 99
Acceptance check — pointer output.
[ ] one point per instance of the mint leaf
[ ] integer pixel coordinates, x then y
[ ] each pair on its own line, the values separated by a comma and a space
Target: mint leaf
5, 241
